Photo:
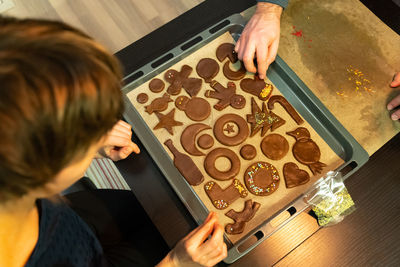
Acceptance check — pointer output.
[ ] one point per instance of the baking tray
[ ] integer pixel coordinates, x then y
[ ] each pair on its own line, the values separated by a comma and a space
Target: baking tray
293, 89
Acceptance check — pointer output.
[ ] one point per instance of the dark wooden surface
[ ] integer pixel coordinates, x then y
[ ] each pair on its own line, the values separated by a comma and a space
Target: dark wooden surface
368, 237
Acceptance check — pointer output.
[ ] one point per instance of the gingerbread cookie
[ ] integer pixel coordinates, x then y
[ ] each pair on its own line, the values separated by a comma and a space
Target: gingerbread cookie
196, 108
285, 104
185, 165
233, 75
294, 176
240, 218
222, 198
142, 98
167, 121
219, 126
188, 138
209, 164
274, 146
248, 152
205, 141
227, 50
263, 119
156, 85
207, 68
257, 87
179, 80
306, 151
226, 96
261, 178
159, 104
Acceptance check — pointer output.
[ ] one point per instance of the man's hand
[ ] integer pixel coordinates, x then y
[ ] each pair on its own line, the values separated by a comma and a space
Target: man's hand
196, 250
260, 38
118, 144
395, 101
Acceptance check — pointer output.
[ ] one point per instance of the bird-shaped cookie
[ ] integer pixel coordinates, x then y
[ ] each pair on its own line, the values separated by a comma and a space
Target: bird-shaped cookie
306, 151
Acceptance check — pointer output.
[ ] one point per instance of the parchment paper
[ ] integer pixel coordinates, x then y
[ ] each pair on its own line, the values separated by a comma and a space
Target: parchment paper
269, 204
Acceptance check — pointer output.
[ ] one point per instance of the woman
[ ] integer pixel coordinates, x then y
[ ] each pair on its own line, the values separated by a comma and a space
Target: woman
59, 99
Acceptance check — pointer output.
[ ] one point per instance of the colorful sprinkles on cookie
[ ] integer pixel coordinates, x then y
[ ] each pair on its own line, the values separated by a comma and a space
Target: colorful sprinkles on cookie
262, 179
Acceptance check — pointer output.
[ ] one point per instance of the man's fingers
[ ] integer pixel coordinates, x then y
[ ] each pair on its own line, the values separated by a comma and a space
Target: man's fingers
241, 48
237, 46
272, 51
248, 57
396, 80
394, 103
262, 51
395, 115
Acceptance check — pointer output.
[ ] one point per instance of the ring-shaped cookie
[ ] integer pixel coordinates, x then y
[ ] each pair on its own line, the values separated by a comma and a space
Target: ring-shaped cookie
243, 130
261, 178
209, 164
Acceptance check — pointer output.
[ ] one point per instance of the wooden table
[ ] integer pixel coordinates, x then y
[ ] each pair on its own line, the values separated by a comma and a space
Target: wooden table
369, 236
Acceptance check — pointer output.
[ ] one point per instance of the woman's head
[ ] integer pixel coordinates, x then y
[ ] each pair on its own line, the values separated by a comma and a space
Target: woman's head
59, 95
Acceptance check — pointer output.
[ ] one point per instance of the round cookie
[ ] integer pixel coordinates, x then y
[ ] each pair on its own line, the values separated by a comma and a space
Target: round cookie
261, 178
142, 98
205, 141
274, 146
219, 126
156, 85
209, 164
196, 108
248, 152
207, 68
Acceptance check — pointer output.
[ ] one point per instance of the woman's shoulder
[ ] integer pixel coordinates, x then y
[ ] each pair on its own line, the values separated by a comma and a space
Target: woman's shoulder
64, 238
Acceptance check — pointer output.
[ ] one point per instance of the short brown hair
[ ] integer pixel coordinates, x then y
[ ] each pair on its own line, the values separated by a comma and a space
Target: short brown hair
59, 94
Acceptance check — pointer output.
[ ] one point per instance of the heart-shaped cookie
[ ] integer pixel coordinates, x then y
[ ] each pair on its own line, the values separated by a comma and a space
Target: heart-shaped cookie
294, 176
257, 87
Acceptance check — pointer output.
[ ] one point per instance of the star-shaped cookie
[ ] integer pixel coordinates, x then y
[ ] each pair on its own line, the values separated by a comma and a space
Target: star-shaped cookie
263, 119
229, 128
167, 121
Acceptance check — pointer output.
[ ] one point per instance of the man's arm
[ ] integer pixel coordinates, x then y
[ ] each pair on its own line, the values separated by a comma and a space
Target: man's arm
260, 37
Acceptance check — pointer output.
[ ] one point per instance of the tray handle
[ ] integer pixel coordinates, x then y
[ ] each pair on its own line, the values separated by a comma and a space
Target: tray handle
257, 236
160, 64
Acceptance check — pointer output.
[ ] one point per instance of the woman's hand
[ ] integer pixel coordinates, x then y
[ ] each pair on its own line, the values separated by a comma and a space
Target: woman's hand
395, 101
118, 144
204, 246
260, 38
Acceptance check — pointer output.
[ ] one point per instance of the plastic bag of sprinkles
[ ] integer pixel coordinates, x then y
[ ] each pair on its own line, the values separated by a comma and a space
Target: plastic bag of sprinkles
330, 200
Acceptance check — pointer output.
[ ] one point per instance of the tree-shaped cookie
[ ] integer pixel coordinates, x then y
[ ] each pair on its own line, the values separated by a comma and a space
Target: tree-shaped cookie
226, 96
263, 119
